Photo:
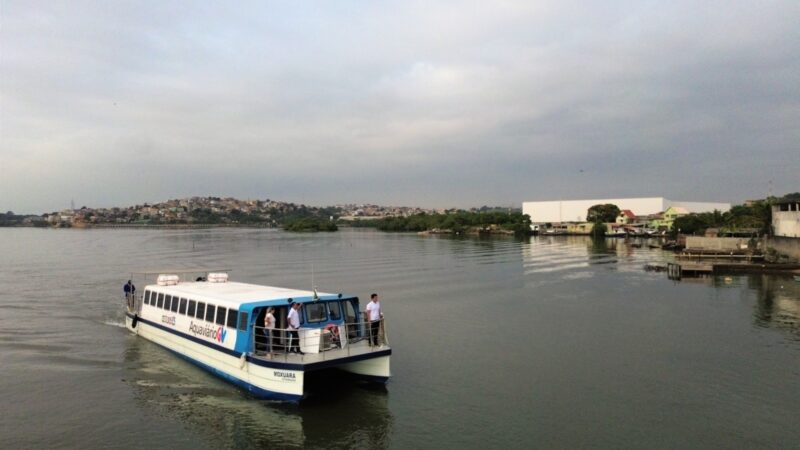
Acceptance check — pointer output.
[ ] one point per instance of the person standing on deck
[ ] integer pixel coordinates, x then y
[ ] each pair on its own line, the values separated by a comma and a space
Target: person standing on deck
294, 325
374, 315
129, 289
269, 325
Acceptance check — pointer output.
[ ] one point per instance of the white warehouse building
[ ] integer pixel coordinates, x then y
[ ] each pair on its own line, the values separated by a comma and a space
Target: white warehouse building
558, 211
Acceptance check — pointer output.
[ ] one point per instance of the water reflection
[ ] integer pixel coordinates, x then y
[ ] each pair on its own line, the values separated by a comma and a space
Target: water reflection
778, 302
583, 255
339, 412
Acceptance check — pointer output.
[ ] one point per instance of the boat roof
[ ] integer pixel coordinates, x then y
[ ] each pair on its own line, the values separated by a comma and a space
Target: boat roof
238, 293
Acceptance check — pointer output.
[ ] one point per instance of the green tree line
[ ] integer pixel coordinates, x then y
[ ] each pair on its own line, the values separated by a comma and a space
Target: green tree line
756, 216
309, 224
457, 222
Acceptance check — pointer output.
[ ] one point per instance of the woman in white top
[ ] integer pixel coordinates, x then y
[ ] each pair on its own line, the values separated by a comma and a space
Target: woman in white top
269, 325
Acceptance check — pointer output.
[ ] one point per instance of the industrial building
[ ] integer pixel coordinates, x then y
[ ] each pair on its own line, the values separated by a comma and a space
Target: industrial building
558, 211
786, 219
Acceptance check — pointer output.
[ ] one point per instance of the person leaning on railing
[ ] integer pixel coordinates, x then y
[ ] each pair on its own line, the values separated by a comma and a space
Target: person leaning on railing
373, 313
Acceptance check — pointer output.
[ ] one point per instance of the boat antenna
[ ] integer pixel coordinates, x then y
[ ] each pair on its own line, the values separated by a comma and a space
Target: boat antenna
315, 296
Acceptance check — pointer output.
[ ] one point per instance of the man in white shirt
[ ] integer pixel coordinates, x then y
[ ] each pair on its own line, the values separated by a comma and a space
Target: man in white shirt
374, 316
294, 324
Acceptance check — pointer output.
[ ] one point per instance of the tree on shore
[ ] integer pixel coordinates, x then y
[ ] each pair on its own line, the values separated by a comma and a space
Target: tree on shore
602, 213
756, 216
309, 224
599, 230
458, 221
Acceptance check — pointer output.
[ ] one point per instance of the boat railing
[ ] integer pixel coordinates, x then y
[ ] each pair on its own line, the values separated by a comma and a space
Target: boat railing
133, 301
280, 343
374, 332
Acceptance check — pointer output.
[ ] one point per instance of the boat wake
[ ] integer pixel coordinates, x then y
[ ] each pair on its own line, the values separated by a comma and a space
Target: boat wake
114, 323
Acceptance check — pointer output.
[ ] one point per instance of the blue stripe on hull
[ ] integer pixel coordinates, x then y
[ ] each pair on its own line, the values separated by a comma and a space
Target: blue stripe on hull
255, 390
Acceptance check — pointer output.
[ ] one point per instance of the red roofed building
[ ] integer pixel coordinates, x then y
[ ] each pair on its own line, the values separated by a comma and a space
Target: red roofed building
626, 216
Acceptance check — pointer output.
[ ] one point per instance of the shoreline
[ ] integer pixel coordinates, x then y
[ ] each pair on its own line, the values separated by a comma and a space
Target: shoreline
140, 226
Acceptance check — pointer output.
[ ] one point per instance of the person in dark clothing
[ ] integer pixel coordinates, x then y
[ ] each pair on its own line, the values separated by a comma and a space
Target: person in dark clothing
129, 289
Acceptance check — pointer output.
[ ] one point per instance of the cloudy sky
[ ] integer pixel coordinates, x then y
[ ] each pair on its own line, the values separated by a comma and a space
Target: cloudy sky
460, 103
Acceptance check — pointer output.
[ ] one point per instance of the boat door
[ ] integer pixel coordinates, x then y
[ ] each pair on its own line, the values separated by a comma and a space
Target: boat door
351, 318
281, 323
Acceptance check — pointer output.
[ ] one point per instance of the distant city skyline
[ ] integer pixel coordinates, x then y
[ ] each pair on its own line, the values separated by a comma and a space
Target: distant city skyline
450, 104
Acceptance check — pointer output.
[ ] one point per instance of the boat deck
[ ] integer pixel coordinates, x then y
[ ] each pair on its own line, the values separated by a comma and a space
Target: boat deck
359, 348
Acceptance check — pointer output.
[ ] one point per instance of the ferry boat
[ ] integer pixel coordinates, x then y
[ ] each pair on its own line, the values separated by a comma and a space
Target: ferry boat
217, 324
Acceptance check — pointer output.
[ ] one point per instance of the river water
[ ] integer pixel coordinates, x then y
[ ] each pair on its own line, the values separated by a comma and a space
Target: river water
545, 342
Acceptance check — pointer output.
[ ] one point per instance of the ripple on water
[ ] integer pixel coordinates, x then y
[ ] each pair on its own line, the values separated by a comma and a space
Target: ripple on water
497, 343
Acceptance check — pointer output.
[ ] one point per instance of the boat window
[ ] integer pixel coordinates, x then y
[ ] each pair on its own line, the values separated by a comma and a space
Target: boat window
334, 309
281, 320
160, 300
192, 305
167, 302
232, 316
201, 310
174, 304
349, 312
146, 297
315, 312
210, 313
182, 309
220, 315
243, 321
350, 317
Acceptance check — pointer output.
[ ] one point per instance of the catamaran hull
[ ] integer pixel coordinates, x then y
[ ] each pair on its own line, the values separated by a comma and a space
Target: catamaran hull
281, 383
375, 369
264, 379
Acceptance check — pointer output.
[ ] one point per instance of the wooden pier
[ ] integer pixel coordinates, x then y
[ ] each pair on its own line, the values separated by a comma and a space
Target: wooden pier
676, 271
730, 256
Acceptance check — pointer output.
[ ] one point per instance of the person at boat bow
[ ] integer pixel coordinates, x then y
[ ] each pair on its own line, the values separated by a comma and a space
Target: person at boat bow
374, 315
129, 289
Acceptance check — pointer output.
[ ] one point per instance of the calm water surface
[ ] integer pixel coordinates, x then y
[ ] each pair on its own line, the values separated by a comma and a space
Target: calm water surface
547, 342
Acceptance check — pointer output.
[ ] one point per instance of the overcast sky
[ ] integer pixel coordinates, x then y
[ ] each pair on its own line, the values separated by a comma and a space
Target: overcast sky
401, 103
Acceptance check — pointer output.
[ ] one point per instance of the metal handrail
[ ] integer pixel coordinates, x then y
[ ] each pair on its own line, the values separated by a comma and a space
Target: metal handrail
280, 344
359, 331
133, 302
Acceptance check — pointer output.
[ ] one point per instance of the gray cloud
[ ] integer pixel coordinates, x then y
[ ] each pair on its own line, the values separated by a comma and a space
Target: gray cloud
446, 104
